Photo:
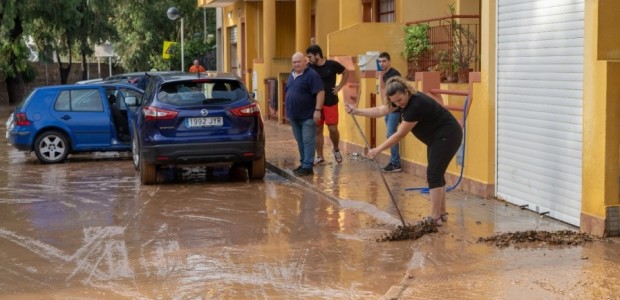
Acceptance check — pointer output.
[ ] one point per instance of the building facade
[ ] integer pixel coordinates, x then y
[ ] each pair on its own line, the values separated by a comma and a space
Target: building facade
543, 129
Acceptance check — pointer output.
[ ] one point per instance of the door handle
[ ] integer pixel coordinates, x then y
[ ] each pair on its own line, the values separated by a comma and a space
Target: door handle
65, 117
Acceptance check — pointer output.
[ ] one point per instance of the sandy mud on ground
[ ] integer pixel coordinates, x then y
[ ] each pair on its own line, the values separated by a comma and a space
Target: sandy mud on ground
540, 238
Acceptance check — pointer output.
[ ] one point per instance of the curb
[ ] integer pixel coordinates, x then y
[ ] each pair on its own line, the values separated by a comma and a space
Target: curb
288, 175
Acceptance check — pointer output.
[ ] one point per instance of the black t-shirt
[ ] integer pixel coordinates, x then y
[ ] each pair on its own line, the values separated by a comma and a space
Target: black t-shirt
389, 74
434, 121
328, 73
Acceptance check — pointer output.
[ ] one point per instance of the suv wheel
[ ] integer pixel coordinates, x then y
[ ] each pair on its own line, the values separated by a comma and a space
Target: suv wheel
256, 168
51, 147
148, 172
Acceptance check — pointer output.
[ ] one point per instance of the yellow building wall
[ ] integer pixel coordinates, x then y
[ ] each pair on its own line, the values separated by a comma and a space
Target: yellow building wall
480, 156
350, 12
414, 10
261, 96
285, 29
601, 109
608, 42
253, 28
326, 21
467, 7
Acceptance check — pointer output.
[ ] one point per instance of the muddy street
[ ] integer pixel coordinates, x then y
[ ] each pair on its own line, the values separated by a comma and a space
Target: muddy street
87, 229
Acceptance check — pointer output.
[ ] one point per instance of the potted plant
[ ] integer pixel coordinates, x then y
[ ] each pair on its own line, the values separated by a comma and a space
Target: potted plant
463, 46
417, 44
446, 66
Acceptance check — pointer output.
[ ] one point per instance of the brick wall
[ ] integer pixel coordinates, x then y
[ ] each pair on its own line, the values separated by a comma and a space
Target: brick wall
53, 76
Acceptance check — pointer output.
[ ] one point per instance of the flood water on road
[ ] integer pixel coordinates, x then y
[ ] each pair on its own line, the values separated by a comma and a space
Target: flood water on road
87, 228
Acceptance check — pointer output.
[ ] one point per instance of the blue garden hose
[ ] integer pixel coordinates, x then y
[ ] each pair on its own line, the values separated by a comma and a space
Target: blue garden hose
426, 190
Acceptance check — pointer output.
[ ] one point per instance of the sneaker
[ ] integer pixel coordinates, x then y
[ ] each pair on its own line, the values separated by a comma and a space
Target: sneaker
392, 168
297, 169
337, 155
303, 171
319, 160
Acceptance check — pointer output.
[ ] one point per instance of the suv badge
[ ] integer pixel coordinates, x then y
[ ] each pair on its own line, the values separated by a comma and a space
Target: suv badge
204, 112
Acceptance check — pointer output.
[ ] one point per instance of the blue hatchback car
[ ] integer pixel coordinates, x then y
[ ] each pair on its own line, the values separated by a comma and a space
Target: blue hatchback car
197, 119
55, 121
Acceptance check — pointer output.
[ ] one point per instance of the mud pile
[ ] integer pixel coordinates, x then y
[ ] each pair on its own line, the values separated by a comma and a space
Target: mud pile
562, 237
409, 232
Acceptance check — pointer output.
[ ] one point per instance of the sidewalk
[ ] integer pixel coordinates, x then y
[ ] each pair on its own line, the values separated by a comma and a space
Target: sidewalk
357, 179
451, 264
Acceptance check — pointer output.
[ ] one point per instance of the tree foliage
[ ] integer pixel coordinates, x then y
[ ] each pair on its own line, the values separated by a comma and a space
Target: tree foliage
143, 26
72, 28
13, 50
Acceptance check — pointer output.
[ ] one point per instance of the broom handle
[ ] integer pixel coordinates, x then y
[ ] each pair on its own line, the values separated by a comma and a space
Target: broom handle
380, 171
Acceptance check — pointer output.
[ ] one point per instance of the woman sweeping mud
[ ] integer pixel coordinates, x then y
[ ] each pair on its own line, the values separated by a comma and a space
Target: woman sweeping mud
429, 122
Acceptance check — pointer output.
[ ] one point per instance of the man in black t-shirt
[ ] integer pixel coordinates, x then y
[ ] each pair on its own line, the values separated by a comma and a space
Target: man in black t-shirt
327, 70
392, 119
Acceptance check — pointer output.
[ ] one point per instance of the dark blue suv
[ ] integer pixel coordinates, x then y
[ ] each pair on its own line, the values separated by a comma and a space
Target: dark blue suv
197, 119
54, 121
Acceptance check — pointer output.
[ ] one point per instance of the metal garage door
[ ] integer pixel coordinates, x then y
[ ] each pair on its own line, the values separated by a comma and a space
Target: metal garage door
539, 105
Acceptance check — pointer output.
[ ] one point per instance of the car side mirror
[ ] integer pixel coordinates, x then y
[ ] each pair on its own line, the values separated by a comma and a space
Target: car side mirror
131, 101
252, 95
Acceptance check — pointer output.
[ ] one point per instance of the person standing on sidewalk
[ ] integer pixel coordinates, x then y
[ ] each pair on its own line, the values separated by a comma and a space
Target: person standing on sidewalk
391, 119
304, 102
430, 123
196, 67
327, 69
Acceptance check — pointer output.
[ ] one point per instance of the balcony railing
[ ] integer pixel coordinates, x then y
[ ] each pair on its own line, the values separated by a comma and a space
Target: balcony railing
455, 40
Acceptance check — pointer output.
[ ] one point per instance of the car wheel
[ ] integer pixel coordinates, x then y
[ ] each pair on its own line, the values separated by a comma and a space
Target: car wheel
135, 152
51, 147
148, 172
256, 169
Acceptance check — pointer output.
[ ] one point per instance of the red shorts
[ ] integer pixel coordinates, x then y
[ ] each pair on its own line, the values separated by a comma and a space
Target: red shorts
329, 115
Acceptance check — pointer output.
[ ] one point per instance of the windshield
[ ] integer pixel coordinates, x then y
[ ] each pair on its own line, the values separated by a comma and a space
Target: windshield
201, 92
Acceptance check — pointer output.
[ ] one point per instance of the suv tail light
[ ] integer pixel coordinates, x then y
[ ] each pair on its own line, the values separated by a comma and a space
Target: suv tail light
155, 113
21, 120
245, 111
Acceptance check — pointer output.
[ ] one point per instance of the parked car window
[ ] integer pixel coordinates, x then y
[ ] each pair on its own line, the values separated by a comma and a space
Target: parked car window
86, 100
128, 93
193, 93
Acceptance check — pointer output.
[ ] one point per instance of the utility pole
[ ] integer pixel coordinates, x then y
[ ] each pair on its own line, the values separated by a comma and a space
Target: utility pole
204, 21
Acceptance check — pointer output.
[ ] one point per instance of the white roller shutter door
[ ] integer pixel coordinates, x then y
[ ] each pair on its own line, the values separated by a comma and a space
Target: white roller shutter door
539, 105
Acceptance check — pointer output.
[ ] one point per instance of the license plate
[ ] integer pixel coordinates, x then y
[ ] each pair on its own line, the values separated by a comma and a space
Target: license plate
204, 122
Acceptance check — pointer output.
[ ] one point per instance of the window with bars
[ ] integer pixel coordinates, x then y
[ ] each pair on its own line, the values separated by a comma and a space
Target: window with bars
378, 11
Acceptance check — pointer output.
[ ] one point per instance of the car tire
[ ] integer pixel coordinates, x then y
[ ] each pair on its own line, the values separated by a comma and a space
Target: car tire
148, 172
135, 152
256, 168
51, 147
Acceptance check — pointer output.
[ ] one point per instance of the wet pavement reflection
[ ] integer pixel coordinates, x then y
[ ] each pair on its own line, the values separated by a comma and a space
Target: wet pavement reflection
87, 228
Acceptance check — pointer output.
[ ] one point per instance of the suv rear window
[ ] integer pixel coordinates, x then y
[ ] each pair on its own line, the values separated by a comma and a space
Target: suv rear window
186, 93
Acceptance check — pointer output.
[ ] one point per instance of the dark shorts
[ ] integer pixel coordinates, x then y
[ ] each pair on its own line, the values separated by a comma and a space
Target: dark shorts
439, 153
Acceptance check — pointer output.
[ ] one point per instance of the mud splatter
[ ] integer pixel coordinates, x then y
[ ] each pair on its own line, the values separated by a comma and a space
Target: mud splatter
409, 232
561, 237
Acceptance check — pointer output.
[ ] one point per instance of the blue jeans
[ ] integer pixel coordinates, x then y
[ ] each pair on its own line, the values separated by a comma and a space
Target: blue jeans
391, 122
304, 132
